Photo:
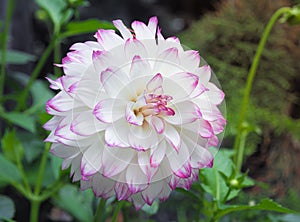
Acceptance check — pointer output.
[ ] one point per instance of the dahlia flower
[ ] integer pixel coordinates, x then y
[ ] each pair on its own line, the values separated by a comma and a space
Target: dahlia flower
135, 114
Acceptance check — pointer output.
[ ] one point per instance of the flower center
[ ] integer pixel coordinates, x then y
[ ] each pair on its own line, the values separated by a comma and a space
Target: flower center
152, 102
157, 105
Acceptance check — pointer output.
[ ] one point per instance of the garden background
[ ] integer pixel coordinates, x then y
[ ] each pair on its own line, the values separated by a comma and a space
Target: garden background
226, 33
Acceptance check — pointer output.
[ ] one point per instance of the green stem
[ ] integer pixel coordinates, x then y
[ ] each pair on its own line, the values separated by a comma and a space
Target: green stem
100, 212
227, 195
57, 58
23, 176
34, 199
9, 12
251, 75
117, 211
22, 99
34, 210
39, 181
240, 156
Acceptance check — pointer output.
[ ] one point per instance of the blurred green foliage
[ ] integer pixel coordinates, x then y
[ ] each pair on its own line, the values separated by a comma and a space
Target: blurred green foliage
228, 40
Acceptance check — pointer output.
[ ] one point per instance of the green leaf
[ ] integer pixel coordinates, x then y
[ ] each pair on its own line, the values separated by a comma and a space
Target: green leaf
7, 208
12, 147
33, 145
87, 26
41, 93
20, 119
75, 202
56, 165
151, 210
265, 204
212, 182
18, 58
55, 9
9, 172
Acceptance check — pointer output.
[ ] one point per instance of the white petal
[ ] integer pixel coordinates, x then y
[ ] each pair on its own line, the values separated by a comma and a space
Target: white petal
52, 123
157, 123
200, 156
62, 102
179, 162
185, 112
204, 73
134, 47
215, 95
123, 29
142, 31
172, 136
158, 154
151, 193
131, 117
122, 191
139, 67
108, 39
63, 151
117, 134
85, 124
135, 178
102, 186
115, 160
115, 84
190, 59
144, 164
91, 161
110, 110
152, 24
137, 200
155, 83
142, 137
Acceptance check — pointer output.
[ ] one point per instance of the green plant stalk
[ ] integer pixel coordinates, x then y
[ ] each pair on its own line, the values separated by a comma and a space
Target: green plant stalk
99, 215
39, 181
22, 99
117, 211
57, 58
35, 202
9, 12
34, 210
239, 152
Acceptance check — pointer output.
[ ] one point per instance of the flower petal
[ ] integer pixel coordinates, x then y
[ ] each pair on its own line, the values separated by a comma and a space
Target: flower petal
122, 191
108, 39
131, 117
172, 136
117, 134
179, 162
115, 84
126, 34
158, 154
102, 186
110, 110
154, 83
142, 137
85, 124
91, 160
134, 47
157, 123
152, 191
144, 164
185, 112
142, 31
136, 179
115, 160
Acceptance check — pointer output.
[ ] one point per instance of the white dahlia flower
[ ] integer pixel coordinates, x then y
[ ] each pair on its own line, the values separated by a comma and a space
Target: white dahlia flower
135, 114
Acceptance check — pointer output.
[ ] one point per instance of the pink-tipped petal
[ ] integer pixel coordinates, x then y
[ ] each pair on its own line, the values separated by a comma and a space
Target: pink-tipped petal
126, 34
